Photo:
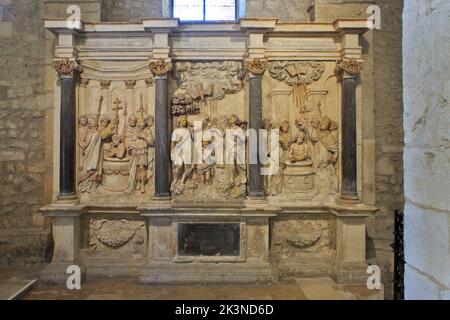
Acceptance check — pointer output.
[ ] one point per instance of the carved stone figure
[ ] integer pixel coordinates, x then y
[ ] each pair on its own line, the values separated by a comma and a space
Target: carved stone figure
235, 154
181, 155
83, 133
300, 150
139, 141
92, 170
275, 181
115, 149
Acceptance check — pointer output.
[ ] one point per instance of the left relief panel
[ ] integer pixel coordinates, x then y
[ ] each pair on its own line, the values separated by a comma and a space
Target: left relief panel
115, 138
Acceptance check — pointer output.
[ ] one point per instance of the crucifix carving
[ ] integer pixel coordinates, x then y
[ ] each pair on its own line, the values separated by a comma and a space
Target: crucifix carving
117, 107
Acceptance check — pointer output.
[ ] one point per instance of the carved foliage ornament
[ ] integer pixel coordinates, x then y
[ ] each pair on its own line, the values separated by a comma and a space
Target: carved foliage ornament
66, 66
352, 67
160, 67
220, 78
256, 67
115, 233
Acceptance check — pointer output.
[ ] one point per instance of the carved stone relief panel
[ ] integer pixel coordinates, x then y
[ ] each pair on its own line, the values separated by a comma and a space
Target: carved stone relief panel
299, 235
302, 101
114, 237
115, 139
208, 100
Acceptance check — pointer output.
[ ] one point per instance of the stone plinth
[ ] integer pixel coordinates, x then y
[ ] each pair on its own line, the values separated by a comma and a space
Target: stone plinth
166, 264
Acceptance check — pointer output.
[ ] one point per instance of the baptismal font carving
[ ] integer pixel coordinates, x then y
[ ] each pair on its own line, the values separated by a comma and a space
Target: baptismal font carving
115, 157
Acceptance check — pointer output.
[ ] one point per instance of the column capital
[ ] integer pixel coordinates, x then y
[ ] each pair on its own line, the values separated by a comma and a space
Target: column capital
256, 67
67, 67
348, 68
160, 67
84, 82
129, 84
104, 84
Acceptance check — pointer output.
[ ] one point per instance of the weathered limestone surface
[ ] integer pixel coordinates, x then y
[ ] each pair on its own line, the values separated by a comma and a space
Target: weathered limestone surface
426, 96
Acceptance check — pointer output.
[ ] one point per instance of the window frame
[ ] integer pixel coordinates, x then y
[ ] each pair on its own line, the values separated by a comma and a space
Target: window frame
237, 5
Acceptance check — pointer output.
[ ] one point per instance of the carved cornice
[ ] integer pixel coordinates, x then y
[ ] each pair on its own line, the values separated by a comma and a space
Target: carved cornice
256, 67
160, 67
67, 67
105, 84
129, 84
296, 72
351, 67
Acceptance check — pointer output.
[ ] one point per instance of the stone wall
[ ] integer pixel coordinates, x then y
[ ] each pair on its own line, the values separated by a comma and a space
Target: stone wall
22, 132
427, 148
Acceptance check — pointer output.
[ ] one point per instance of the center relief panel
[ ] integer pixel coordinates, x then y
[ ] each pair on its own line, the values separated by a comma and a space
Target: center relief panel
210, 99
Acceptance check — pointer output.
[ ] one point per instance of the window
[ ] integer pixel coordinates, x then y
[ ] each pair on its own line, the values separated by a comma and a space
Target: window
205, 10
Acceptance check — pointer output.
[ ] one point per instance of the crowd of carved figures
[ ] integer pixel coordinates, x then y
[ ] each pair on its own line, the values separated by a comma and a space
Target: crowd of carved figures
101, 141
310, 139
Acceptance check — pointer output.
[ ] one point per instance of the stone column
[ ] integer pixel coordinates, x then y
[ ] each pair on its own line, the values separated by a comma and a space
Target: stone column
67, 167
160, 68
255, 69
348, 71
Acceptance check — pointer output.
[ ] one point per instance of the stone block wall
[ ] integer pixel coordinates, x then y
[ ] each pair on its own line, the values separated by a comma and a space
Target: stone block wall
427, 148
23, 238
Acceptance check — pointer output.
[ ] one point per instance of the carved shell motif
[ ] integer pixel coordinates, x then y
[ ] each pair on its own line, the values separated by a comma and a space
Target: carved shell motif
114, 233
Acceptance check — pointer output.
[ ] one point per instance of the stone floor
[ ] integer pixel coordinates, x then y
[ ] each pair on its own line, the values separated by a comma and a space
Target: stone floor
14, 280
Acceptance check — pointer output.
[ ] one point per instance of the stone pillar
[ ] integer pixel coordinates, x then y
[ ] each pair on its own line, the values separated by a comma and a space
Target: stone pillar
66, 236
351, 239
160, 68
255, 69
348, 71
67, 167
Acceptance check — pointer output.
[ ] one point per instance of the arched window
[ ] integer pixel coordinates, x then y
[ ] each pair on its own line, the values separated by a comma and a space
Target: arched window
207, 10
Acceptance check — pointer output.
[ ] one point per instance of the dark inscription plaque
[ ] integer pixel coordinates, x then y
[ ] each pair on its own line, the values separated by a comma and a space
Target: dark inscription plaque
209, 239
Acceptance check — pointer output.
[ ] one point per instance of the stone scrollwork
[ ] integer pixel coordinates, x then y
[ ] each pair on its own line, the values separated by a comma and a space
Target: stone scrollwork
160, 67
256, 67
352, 67
66, 66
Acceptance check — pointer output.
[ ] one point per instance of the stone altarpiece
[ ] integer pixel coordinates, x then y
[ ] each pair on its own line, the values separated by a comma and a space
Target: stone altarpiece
129, 203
